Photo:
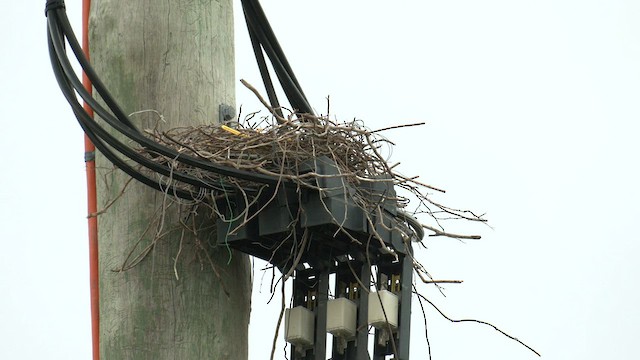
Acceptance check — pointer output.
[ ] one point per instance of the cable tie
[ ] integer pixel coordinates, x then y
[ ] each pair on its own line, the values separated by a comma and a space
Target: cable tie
89, 156
52, 5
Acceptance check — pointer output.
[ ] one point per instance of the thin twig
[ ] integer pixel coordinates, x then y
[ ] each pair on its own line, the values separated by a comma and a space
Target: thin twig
424, 317
275, 335
476, 321
113, 201
438, 232
397, 127
175, 261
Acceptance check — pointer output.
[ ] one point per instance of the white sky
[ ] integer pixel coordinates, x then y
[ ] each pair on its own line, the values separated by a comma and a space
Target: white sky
531, 108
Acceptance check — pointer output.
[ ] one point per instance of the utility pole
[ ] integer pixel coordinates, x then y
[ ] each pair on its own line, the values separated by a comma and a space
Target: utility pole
176, 58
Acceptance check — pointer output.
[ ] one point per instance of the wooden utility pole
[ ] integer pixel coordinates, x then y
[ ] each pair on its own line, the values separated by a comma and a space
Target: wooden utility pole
175, 57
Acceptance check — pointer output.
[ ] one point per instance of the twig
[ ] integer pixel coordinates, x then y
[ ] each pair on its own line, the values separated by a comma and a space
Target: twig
476, 321
397, 127
113, 201
280, 119
175, 261
301, 251
438, 232
424, 317
442, 281
275, 335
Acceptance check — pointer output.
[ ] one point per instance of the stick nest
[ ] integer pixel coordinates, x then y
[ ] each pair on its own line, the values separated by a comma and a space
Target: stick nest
280, 147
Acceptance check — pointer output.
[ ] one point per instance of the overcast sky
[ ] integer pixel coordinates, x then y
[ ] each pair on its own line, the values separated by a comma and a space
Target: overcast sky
532, 112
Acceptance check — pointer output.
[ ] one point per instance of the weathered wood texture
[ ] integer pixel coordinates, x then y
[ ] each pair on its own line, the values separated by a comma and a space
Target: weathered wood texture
175, 57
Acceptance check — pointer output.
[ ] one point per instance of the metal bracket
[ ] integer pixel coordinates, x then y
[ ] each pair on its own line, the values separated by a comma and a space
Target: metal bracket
226, 112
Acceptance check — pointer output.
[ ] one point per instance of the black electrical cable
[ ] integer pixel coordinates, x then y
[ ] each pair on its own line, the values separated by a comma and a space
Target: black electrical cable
112, 141
133, 134
84, 120
60, 29
66, 31
91, 127
74, 84
258, 24
268, 31
116, 151
264, 71
295, 97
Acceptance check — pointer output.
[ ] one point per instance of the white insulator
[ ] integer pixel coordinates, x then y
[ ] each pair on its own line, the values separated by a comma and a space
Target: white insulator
298, 327
341, 318
388, 300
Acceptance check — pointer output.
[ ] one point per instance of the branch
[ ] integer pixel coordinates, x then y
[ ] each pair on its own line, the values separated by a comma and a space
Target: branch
439, 232
396, 127
273, 112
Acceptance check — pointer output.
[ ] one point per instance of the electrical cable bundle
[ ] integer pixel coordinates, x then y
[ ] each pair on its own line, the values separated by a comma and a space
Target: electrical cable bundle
59, 31
263, 38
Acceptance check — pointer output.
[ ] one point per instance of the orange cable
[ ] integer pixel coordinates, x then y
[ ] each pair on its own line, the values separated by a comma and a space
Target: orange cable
92, 201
